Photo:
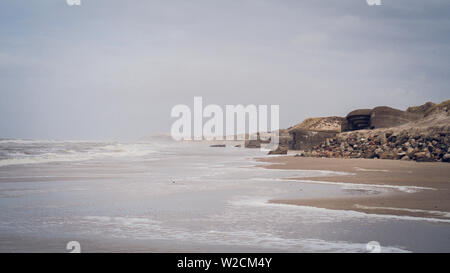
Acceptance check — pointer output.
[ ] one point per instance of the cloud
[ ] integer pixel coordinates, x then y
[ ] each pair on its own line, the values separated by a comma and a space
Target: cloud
114, 69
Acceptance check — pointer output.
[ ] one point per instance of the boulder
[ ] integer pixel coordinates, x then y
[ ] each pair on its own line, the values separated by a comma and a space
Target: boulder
387, 155
388, 134
446, 157
423, 157
218, 145
378, 152
279, 151
401, 155
410, 152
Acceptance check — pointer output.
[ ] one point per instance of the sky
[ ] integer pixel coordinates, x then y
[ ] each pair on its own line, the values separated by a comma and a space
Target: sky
111, 69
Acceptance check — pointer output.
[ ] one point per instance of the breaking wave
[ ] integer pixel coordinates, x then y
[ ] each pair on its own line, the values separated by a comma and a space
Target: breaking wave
16, 152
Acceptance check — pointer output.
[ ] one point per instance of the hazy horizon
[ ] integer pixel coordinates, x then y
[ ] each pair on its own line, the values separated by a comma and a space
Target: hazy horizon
114, 69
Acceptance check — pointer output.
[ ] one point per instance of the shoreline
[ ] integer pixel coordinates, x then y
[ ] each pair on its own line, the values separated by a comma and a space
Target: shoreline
430, 181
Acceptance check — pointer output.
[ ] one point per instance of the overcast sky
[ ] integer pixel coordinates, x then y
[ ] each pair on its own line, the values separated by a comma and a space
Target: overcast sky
113, 69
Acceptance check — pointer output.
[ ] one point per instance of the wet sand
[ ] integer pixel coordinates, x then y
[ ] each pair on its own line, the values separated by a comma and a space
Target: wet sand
433, 203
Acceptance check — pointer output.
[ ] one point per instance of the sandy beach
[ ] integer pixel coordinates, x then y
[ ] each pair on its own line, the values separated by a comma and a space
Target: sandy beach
430, 182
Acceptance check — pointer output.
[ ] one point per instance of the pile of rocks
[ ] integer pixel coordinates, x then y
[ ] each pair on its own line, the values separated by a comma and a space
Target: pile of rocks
419, 145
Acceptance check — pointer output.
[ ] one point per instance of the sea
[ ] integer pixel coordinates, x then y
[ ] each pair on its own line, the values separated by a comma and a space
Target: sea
158, 195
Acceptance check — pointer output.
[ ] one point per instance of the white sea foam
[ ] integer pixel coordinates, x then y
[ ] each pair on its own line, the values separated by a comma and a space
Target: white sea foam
407, 189
433, 212
329, 214
145, 228
370, 170
320, 172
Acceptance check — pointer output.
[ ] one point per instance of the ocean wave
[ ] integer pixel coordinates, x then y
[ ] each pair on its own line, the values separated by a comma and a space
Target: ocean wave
146, 228
18, 152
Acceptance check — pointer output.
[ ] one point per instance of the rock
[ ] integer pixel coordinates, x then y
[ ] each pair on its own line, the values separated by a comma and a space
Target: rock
387, 155
279, 151
403, 139
388, 134
419, 155
378, 152
438, 152
423, 157
446, 157
410, 152
401, 155
392, 138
